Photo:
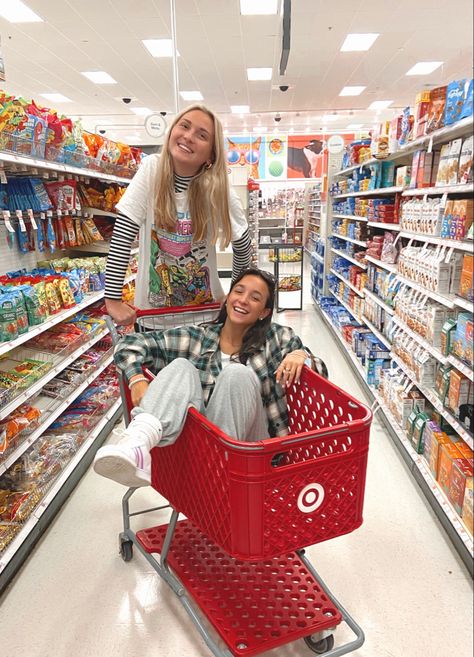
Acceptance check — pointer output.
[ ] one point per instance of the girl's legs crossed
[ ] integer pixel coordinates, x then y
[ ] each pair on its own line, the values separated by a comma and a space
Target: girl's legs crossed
159, 419
236, 404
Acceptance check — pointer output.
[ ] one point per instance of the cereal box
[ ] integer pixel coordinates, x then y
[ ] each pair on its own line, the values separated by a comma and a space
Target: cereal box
422, 105
468, 506
437, 109
443, 167
461, 470
466, 161
453, 161
467, 106
465, 285
448, 453
454, 101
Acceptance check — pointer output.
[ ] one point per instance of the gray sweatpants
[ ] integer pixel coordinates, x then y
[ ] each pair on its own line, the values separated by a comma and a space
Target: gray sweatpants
235, 406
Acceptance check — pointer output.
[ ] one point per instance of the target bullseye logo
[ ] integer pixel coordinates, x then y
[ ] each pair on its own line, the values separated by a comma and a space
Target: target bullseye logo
310, 498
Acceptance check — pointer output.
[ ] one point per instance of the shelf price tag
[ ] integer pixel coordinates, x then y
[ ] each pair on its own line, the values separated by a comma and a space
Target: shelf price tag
444, 200
430, 145
21, 221
6, 218
3, 176
31, 217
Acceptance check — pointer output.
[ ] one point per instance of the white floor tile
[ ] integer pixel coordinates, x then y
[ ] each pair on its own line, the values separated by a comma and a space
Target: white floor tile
397, 575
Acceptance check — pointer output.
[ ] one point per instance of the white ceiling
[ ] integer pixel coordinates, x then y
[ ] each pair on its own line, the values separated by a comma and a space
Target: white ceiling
216, 45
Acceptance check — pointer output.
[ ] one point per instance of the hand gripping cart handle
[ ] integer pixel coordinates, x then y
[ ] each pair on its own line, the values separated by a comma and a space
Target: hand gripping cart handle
250, 509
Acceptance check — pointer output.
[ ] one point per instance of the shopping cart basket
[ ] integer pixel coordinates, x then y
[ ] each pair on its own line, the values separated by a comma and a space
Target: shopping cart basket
250, 509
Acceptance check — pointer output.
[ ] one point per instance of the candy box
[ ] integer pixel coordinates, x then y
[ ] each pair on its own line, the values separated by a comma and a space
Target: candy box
422, 106
454, 101
448, 453
461, 471
436, 109
465, 284
468, 506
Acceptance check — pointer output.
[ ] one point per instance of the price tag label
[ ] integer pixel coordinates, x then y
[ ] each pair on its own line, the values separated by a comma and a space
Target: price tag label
444, 200
31, 217
6, 217
59, 214
430, 145
19, 215
449, 255
3, 176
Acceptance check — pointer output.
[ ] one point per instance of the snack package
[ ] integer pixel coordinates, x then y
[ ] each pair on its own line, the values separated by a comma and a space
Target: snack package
454, 101
63, 195
466, 161
468, 101
437, 109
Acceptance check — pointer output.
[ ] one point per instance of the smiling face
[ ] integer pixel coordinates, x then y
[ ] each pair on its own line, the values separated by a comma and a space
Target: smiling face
191, 142
246, 302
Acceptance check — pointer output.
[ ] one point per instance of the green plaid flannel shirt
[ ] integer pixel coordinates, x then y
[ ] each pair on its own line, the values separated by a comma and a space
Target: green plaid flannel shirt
200, 346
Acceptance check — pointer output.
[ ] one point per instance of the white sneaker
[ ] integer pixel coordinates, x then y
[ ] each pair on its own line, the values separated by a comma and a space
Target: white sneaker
129, 462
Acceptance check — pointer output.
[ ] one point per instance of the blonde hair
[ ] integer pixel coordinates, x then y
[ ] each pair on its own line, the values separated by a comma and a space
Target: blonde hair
208, 191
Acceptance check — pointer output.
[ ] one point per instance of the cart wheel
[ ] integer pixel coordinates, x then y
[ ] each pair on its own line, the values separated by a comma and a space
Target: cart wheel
126, 550
321, 646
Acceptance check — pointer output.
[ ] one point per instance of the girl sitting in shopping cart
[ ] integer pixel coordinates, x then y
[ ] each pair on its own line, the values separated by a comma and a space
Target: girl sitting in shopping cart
234, 370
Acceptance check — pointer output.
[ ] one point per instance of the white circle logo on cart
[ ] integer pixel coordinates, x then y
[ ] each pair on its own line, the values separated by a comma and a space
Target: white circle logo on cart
310, 498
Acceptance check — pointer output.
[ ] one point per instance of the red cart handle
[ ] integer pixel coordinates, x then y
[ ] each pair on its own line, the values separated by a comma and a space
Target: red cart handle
168, 310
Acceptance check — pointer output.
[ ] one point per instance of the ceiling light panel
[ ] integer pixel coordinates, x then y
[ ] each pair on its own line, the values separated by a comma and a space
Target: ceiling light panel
99, 77
15, 11
424, 68
258, 7
259, 73
352, 91
330, 117
191, 95
56, 98
159, 47
358, 42
380, 104
355, 126
240, 109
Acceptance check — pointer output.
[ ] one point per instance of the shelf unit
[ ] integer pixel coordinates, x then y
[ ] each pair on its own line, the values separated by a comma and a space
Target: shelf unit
442, 507
348, 257
17, 551
450, 520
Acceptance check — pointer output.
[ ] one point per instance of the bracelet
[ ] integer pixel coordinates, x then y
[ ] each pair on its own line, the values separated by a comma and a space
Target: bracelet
142, 378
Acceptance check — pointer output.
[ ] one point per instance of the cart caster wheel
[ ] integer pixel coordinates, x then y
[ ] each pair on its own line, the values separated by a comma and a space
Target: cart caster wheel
126, 550
321, 646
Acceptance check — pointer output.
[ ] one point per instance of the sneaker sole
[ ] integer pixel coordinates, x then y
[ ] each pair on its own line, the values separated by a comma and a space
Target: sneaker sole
120, 469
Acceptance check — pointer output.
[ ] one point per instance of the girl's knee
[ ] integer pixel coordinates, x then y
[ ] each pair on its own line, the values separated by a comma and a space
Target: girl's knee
240, 375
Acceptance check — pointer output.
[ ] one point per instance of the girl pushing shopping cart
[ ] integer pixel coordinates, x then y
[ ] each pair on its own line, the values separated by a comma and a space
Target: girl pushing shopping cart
262, 455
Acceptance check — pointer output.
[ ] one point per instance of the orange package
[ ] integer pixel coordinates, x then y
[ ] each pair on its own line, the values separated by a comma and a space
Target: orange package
448, 453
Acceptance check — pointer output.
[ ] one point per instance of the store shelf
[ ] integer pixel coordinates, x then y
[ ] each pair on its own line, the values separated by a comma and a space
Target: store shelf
383, 265
350, 310
378, 334
52, 321
433, 399
352, 217
100, 213
420, 340
58, 367
433, 239
23, 160
101, 247
445, 189
349, 239
350, 258
378, 301
440, 298
461, 367
464, 304
382, 191
380, 224
16, 552
318, 257
441, 506
52, 416
348, 283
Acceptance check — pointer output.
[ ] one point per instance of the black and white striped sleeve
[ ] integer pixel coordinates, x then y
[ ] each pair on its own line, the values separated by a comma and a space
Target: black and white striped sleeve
125, 232
241, 249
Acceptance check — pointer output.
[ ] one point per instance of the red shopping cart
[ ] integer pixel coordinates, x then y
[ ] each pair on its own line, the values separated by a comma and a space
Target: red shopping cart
250, 509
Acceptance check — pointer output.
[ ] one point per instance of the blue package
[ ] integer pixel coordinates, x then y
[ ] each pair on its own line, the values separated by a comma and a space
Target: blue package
468, 101
454, 101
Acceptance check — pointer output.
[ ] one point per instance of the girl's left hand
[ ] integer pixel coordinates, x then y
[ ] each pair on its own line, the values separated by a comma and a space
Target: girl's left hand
290, 368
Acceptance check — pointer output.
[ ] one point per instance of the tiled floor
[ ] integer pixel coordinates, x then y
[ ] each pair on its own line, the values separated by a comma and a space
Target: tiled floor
397, 574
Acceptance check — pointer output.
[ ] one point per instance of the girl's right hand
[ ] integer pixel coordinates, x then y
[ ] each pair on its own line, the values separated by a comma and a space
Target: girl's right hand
137, 392
122, 313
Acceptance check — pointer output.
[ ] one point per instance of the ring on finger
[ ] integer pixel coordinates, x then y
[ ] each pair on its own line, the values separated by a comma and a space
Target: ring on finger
287, 369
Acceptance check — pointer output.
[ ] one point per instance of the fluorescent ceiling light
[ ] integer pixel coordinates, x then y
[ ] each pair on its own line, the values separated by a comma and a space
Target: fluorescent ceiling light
258, 7
424, 68
191, 95
380, 104
330, 117
355, 126
259, 73
141, 111
15, 11
56, 98
159, 47
99, 77
358, 42
351, 91
239, 109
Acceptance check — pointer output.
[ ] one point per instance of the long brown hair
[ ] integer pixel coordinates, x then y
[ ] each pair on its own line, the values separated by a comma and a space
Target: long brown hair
208, 192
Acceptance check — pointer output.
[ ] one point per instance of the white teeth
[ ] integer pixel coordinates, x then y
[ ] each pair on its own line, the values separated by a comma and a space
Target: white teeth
184, 148
240, 310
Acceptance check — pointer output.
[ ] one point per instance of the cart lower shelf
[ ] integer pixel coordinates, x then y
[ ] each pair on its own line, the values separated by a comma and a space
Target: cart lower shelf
254, 606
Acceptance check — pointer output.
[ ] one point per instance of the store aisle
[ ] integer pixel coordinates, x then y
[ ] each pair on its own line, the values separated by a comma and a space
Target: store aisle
397, 574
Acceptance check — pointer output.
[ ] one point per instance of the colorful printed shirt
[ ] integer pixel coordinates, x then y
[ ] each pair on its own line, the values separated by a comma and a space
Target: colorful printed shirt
200, 345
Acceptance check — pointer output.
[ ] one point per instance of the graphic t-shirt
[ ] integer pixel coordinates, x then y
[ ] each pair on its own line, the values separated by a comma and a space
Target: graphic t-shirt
172, 269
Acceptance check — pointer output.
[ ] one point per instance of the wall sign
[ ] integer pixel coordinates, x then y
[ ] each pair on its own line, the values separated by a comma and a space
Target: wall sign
155, 125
